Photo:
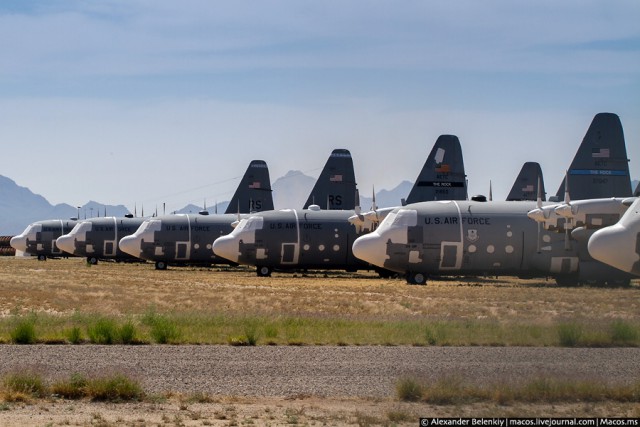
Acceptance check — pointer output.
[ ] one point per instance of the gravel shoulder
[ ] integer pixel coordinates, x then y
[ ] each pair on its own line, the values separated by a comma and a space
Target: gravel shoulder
312, 385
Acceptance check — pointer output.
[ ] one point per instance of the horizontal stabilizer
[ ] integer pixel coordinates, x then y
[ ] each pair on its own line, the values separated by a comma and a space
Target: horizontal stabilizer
335, 188
526, 185
600, 168
254, 191
442, 176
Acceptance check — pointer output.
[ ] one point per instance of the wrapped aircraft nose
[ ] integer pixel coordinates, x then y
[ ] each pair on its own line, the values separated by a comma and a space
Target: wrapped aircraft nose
616, 247
130, 245
66, 243
227, 248
19, 243
370, 248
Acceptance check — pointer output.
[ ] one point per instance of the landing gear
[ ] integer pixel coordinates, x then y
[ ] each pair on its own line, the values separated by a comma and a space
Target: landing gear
568, 281
42, 257
385, 274
161, 265
92, 260
264, 271
416, 278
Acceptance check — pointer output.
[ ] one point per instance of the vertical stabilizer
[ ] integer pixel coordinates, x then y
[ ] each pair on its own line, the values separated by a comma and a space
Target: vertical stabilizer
442, 176
254, 191
600, 168
335, 189
526, 185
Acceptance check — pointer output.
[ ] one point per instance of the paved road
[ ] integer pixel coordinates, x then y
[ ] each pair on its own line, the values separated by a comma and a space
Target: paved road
318, 370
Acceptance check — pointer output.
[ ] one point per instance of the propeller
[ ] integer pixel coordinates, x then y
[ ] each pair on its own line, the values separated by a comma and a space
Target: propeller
490, 191
539, 208
566, 210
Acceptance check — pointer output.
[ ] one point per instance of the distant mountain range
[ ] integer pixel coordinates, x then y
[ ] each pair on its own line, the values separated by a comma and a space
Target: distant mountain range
19, 206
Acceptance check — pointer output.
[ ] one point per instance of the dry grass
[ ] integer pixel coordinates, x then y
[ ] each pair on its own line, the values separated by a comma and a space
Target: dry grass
67, 286
223, 305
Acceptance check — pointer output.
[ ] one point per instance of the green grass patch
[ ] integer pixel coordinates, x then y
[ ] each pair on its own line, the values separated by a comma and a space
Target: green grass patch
236, 329
570, 334
102, 331
163, 329
24, 331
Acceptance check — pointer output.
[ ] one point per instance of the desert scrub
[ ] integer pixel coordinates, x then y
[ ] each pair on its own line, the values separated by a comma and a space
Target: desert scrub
163, 330
27, 382
454, 390
24, 331
102, 331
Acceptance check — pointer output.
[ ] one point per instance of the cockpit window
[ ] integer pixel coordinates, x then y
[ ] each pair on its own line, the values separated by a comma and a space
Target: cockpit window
81, 227
401, 218
152, 225
33, 229
250, 224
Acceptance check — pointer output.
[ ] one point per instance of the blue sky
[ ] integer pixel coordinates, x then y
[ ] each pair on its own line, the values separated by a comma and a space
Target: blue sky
162, 101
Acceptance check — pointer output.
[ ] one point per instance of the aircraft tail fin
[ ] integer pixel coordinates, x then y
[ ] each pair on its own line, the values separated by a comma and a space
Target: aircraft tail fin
335, 188
442, 176
526, 185
254, 191
600, 168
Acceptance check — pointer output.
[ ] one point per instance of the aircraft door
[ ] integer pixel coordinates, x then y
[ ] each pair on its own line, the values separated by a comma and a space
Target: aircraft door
109, 247
450, 255
182, 250
54, 247
289, 253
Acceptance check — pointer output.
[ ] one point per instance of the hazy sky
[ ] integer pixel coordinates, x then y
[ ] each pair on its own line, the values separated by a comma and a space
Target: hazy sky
124, 101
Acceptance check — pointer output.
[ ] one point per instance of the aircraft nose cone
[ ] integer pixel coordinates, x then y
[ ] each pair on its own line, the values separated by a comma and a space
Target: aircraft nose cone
66, 243
371, 249
609, 246
19, 243
536, 215
130, 245
227, 248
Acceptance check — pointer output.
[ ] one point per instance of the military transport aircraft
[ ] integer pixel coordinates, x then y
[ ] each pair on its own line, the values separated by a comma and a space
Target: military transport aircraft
312, 238
187, 238
97, 238
39, 238
499, 238
619, 245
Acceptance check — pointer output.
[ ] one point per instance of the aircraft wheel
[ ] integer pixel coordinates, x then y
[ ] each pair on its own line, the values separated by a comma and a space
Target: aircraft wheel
42, 257
92, 260
161, 265
416, 278
264, 271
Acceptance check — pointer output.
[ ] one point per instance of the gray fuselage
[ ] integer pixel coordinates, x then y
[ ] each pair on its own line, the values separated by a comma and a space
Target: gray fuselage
97, 238
39, 238
467, 237
179, 239
293, 239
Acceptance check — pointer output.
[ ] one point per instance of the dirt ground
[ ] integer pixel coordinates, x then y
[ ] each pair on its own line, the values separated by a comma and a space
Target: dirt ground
68, 285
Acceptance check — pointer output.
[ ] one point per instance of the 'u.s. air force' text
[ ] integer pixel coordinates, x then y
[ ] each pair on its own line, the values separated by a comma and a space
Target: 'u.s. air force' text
468, 220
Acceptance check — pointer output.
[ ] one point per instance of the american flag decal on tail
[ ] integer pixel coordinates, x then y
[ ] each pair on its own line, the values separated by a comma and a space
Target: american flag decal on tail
600, 153
335, 178
255, 184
